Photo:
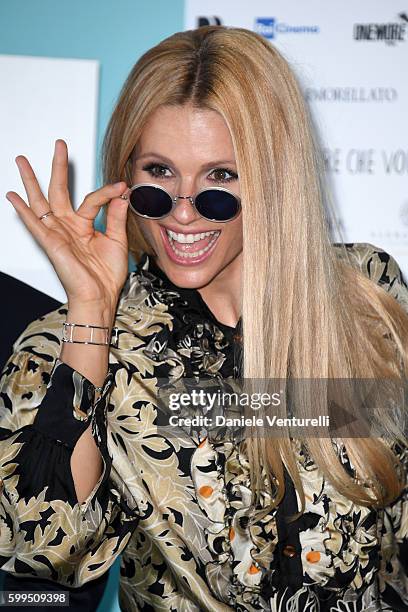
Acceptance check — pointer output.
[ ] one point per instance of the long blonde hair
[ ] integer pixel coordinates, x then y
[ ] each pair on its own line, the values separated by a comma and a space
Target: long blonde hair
320, 318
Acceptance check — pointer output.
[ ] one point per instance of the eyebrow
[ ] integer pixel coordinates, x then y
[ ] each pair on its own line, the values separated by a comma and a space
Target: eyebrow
212, 164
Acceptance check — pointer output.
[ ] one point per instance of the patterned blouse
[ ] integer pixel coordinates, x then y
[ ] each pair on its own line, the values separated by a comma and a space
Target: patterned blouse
177, 509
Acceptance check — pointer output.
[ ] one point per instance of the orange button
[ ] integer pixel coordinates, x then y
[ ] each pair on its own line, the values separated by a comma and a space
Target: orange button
253, 569
231, 533
206, 491
313, 556
289, 551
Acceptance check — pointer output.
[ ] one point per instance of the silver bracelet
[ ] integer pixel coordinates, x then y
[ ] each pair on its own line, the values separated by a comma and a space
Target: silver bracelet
97, 335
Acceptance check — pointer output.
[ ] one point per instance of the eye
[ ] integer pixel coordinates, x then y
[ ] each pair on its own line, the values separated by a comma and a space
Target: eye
156, 170
220, 175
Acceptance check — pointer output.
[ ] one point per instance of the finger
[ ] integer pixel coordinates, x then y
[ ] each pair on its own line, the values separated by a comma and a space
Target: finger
35, 196
58, 194
95, 200
37, 228
116, 219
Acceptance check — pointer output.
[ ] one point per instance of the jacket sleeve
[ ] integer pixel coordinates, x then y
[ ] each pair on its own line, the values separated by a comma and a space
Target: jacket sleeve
45, 406
393, 568
382, 268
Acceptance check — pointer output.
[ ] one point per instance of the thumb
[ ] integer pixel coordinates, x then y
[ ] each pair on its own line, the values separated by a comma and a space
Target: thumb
116, 218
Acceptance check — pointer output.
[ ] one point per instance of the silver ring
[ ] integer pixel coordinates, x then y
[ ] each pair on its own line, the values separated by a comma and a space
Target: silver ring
46, 215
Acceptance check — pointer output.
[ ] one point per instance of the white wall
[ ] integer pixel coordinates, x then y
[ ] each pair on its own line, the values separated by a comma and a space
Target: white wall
43, 99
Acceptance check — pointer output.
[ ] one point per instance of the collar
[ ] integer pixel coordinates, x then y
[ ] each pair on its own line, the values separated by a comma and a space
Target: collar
192, 296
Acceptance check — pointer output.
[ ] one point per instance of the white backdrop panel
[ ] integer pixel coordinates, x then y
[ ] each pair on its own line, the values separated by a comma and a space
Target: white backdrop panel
358, 93
43, 99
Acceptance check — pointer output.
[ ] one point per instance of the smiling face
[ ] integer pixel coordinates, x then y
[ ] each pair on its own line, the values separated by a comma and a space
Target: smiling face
185, 150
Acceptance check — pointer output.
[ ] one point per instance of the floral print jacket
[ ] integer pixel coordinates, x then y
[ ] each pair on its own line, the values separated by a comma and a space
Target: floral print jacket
177, 509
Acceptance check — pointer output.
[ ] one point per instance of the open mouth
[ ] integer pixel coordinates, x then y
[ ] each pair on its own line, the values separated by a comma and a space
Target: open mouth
189, 247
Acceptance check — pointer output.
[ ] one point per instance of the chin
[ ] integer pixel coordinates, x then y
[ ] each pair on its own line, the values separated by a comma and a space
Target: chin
192, 276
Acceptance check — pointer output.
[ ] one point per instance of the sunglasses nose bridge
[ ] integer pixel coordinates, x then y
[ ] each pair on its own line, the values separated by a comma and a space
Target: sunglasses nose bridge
180, 197
184, 209
190, 199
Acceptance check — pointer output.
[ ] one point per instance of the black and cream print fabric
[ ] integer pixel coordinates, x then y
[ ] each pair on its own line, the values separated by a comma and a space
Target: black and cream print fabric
177, 509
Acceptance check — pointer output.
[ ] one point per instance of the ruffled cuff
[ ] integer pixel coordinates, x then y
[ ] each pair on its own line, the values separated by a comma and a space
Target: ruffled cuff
66, 409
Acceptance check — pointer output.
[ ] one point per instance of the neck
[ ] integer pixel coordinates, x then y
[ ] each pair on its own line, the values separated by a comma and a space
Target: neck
223, 294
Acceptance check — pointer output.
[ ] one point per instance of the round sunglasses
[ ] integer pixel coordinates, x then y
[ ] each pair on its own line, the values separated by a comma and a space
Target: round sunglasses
154, 202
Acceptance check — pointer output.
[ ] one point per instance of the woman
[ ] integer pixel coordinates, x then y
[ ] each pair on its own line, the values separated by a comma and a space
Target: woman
202, 523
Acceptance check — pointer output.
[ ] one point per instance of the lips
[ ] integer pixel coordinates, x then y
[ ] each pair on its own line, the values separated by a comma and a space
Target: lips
189, 248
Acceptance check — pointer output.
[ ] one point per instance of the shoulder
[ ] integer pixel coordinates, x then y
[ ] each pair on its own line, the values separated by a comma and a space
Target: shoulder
42, 337
377, 265
27, 372
35, 350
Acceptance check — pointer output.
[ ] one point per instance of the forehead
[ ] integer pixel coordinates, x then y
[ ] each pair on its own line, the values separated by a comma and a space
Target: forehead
185, 131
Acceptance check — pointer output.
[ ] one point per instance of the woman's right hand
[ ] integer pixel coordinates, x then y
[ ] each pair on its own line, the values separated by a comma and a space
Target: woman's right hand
91, 266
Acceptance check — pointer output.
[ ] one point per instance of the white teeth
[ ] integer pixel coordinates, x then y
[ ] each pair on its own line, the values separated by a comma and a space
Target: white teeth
189, 239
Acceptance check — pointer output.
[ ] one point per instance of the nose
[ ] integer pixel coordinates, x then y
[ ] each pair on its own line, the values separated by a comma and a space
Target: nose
184, 211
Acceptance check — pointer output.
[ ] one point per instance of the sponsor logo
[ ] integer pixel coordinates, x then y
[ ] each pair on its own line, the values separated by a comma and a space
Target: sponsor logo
270, 27
351, 94
206, 21
366, 161
391, 32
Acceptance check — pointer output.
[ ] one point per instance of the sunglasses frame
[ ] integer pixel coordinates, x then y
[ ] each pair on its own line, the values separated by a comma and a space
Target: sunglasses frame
178, 197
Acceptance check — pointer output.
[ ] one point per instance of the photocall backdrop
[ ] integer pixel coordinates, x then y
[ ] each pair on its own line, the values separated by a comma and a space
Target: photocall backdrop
351, 60
62, 65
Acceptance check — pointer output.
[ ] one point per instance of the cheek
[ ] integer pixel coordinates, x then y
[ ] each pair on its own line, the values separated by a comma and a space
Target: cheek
149, 232
231, 244
150, 229
233, 234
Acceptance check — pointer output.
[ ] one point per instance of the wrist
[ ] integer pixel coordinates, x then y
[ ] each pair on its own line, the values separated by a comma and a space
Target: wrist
98, 313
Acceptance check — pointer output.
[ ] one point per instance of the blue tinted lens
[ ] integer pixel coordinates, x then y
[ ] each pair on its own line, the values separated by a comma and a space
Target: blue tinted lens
216, 205
150, 201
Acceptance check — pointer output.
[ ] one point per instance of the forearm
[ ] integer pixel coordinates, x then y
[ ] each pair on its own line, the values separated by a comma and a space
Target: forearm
92, 362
